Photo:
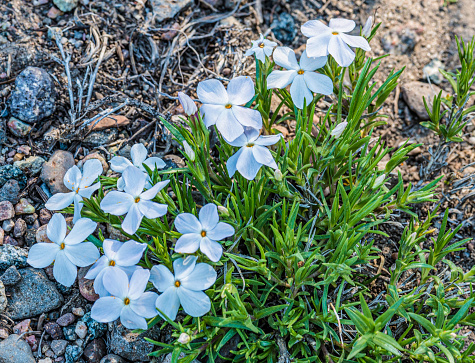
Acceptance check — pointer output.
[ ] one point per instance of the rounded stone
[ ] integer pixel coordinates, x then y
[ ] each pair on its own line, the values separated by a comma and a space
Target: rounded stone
54, 170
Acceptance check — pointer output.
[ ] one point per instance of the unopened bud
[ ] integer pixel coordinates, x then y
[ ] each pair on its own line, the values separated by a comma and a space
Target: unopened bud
338, 130
379, 180
366, 32
223, 210
189, 151
278, 175
189, 106
184, 338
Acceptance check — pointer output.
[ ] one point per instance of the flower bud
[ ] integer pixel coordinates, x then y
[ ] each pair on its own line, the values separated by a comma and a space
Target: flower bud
223, 210
379, 180
338, 130
184, 338
187, 103
189, 151
278, 175
366, 32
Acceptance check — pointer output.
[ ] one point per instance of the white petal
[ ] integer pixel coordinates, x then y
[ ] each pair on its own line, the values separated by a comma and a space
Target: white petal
263, 156
117, 203
138, 154
130, 253
342, 25
56, 228
169, 303
247, 164
111, 247
268, 140
107, 309
314, 28
81, 230
221, 231
152, 192
42, 254
131, 320
343, 55
152, 210
184, 266
98, 266
285, 57
268, 50
202, 278
120, 184
248, 116
356, 41
189, 106
208, 216
317, 46
240, 90
90, 172
119, 164
213, 250
229, 125
318, 83
259, 52
132, 220
211, 113
161, 277
188, 243
231, 164
187, 223
87, 191
99, 287
212, 91
134, 179
138, 283
269, 43
64, 271
82, 254
145, 305
116, 282
280, 79
72, 177
155, 163
77, 207
242, 140
311, 63
195, 303
60, 201
300, 92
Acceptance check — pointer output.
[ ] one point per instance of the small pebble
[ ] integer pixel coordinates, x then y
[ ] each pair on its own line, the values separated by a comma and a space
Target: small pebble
6, 211
78, 311
54, 330
20, 228
11, 276
24, 207
66, 319
59, 346
81, 329
45, 216
8, 225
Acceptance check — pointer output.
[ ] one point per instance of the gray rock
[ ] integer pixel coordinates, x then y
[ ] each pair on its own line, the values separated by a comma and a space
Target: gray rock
101, 138
95, 350
3, 298
94, 328
66, 5
431, 71
132, 346
112, 358
54, 170
34, 295
66, 319
8, 172
10, 191
12, 256
284, 28
11, 276
168, 358
18, 127
165, 9
73, 353
54, 330
34, 96
413, 93
398, 42
6, 210
15, 350
69, 333
59, 347
3, 133
31, 165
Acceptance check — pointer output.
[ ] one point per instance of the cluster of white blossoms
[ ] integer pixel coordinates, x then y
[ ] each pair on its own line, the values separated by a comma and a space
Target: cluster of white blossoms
120, 281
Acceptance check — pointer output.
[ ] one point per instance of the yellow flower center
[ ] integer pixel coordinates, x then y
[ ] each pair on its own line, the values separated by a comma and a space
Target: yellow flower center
300, 71
177, 283
250, 145
335, 33
203, 233
137, 199
112, 263
228, 106
261, 45
127, 301
61, 246
77, 190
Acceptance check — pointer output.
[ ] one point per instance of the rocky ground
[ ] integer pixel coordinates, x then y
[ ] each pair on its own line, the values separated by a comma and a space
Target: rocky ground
127, 60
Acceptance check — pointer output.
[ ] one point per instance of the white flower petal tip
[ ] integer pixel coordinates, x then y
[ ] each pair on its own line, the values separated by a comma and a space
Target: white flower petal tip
203, 233
67, 252
261, 48
184, 288
189, 106
189, 151
332, 39
224, 107
127, 299
301, 76
339, 129
366, 31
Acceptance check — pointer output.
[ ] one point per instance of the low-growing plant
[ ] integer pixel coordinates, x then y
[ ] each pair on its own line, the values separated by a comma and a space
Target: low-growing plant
265, 245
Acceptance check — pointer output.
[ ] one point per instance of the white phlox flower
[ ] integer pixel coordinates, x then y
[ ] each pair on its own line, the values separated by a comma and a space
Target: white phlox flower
261, 48
121, 255
184, 288
202, 233
80, 184
338, 130
128, 301
138, 154
332, 40
252, 154
301, 75
67, 252
133, 201
224, 109
189, 106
